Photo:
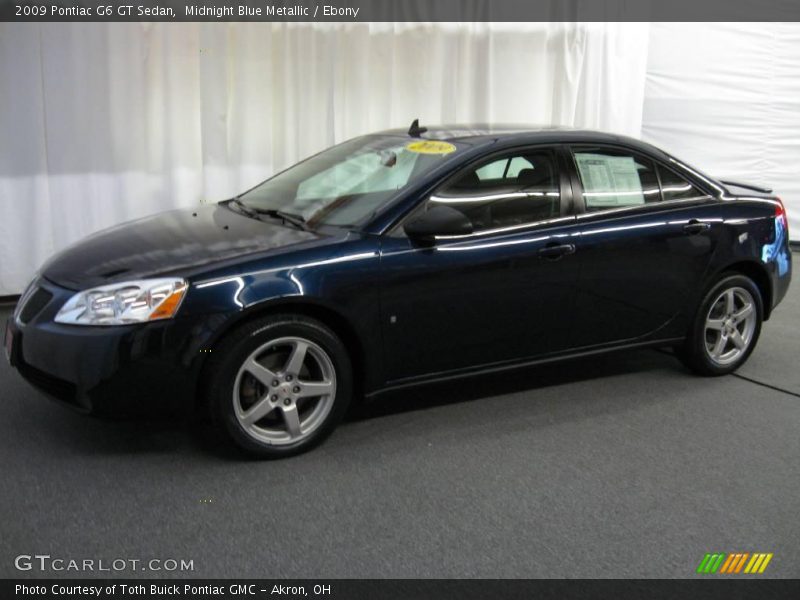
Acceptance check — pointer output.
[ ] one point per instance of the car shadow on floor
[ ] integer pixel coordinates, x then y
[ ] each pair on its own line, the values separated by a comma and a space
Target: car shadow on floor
65, 431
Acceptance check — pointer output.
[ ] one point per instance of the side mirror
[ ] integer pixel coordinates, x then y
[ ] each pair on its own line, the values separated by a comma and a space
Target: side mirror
439, 220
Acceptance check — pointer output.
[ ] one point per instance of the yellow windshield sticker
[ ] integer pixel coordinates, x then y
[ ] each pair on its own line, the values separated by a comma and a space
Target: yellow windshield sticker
431, 147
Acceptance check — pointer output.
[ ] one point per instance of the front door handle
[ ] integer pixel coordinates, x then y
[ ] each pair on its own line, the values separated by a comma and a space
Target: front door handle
556, 251
694, 227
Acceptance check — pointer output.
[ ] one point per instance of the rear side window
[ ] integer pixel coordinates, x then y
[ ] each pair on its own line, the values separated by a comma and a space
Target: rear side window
615, 179
516, 189
675, 187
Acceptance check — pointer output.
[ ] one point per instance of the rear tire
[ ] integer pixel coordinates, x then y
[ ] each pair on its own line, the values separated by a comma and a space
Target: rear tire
279, 385
725, 328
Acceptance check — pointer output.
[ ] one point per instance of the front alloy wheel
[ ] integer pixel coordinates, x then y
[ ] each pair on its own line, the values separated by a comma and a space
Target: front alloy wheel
284, 390
279, 385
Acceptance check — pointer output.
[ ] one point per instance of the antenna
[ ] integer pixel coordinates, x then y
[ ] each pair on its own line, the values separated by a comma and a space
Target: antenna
415, 130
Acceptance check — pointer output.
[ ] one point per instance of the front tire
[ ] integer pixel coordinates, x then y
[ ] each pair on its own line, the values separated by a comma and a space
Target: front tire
726, 327
279, 385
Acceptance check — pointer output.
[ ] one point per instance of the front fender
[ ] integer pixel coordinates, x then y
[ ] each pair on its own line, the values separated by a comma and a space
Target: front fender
339, 289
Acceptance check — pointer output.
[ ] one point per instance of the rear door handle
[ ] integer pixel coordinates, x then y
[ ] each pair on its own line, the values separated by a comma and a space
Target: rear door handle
557, 251
694, 227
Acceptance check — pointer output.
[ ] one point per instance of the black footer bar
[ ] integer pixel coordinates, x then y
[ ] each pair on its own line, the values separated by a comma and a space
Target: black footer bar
403, 589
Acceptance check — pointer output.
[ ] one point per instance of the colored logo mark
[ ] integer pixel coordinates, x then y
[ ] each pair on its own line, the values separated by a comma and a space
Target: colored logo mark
733, 563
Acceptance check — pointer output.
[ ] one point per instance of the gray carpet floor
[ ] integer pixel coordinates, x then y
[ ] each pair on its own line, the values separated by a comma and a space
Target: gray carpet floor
619, 466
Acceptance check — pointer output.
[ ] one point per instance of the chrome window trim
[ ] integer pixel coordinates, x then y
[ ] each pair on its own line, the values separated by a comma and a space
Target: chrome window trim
510, 229
652, 205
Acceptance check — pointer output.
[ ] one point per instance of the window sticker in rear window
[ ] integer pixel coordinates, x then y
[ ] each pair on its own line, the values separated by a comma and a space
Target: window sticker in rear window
609, 180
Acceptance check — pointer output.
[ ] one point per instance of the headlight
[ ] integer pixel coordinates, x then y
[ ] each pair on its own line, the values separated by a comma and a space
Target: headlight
123, 303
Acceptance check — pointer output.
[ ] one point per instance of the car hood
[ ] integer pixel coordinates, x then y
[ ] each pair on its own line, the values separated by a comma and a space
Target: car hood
179, 241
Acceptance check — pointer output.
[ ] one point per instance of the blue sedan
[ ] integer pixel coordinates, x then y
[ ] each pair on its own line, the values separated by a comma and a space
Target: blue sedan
397, 259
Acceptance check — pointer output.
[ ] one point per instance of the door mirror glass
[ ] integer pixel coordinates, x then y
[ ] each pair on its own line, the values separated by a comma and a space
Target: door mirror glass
439, 220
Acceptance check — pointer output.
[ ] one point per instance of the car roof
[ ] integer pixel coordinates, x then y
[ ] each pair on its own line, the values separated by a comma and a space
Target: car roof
479, 133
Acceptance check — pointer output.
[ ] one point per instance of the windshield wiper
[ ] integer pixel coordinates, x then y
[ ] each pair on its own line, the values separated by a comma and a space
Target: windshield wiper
243, 208
296, 220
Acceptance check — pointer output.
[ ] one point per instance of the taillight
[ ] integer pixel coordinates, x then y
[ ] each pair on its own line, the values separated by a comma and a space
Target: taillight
780, 213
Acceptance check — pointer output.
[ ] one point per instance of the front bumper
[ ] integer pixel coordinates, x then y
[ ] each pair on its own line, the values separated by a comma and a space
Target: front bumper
133, 369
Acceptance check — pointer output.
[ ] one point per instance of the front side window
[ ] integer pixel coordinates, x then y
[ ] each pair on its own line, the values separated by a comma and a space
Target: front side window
615, 179
517, 189
347, 183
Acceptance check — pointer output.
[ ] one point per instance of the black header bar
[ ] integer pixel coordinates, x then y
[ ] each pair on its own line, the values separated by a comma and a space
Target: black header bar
351, 11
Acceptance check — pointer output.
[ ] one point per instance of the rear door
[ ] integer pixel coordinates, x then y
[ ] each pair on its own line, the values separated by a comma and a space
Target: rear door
496, 296
645, 242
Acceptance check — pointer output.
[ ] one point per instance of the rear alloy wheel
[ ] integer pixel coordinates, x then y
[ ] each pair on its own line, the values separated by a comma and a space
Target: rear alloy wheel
726, 328
730, 325
280, 385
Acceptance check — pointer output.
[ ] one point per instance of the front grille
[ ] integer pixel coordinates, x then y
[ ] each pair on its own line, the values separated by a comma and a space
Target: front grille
34, 303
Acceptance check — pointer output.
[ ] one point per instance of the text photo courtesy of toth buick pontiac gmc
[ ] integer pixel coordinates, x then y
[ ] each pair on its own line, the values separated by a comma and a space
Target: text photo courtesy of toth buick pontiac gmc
401, 258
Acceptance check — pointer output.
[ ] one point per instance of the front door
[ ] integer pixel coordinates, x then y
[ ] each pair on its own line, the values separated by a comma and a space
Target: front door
498, 295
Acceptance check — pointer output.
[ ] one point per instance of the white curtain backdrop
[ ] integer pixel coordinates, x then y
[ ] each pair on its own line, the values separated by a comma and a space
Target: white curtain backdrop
726, 97
103, 123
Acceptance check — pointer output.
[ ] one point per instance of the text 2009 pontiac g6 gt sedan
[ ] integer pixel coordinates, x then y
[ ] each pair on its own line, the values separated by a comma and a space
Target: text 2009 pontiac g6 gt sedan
400, 258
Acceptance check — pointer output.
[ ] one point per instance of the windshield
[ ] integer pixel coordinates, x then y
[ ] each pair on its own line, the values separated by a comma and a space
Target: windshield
349, 182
